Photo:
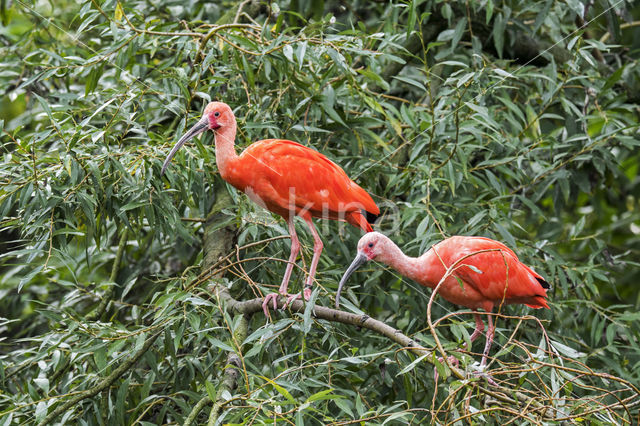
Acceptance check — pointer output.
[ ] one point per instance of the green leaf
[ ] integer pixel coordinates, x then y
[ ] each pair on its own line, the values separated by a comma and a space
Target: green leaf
413, 364
503, 73
411, 21
458, 32
577, 6
287, 50
93, 78
248, 72
100, 358
211, 390
566, 350
333, 114
282, 391
300, 53
499, 28
613, 79
30, 276
488, 11
506, 235
474, 269
324, 395
42, 383
344, 406
218, 344
45, 105
542, 15
41, 411
308, 310
613, 21
410, 81
443, 370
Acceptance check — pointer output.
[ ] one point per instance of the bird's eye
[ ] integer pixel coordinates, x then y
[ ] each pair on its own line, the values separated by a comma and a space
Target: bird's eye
370, 245
217, 114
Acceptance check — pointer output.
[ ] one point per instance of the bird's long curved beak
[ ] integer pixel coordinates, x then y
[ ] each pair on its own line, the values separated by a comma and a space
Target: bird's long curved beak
360, 260
200, 127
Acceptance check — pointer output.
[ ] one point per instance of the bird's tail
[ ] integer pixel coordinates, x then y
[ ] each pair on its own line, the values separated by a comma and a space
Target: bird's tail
359, 220
537, 302
371, 217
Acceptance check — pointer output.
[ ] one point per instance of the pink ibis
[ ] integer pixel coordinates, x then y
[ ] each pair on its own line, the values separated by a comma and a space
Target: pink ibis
490, 274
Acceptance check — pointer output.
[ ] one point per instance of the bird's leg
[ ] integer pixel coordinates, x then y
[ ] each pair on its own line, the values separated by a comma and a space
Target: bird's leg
317, 250
479, 327
295, 249
477, 332
490, 332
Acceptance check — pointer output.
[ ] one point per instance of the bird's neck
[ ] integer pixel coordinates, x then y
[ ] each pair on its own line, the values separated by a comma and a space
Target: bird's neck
421, 269
225, 150
407, 266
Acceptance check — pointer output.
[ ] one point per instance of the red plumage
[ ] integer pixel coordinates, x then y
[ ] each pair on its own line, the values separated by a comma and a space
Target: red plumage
288, 177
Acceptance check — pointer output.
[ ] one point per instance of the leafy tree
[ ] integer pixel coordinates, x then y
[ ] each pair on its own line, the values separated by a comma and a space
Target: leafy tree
129, 297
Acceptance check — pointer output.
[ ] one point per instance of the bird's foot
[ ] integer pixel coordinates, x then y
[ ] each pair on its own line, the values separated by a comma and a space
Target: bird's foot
265, 303
290, 299
293, 297
481, 373
451, 360
307, 292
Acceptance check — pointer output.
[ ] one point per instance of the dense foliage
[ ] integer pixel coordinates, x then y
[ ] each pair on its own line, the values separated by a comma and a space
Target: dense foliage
515, 120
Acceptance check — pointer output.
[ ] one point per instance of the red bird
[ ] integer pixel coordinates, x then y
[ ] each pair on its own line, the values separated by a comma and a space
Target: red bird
288, 179
487, 278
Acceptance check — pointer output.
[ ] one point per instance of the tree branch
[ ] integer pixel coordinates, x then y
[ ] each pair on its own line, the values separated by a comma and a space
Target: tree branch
234, 362
626, 25
502, 394
218, 239
196, 409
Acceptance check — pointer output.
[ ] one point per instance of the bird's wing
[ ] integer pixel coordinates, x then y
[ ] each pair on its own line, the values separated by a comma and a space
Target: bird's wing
497, 274
306, 177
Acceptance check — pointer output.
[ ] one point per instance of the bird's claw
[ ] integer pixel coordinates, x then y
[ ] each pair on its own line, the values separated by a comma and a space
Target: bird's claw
293, 297
481, 373
265, 303
484, 375
455, 362
290, 298
452, 360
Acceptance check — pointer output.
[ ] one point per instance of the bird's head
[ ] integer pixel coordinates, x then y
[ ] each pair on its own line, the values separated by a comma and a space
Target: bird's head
373, 245
216, 116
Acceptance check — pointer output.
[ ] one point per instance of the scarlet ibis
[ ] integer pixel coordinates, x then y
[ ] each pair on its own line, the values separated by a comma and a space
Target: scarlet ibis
288, 179
490, 275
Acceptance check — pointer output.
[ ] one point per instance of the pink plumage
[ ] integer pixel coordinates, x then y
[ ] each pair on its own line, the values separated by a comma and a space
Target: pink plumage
488, 274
